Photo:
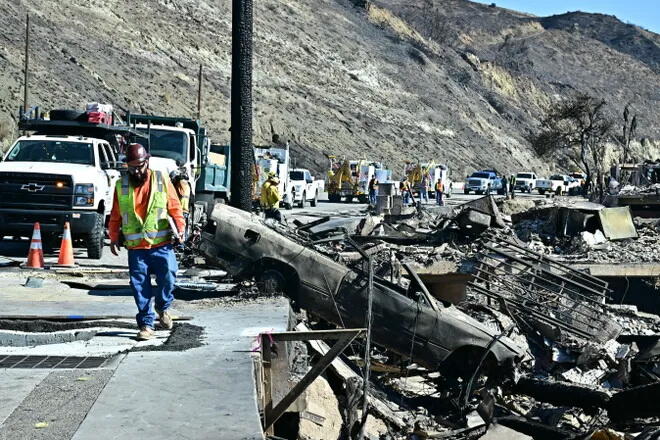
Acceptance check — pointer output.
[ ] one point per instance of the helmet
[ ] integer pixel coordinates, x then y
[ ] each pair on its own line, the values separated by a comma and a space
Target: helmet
136, 154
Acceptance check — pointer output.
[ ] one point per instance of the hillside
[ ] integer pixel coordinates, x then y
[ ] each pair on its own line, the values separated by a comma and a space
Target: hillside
403, 79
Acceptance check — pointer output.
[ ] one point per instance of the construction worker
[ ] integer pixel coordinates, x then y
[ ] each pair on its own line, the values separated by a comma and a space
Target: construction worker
181, 184
143, 200
439, 192
270, 197
404, 187
373, 190
424, 188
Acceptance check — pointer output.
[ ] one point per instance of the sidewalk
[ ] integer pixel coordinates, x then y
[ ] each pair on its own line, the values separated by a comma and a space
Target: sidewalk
199, 393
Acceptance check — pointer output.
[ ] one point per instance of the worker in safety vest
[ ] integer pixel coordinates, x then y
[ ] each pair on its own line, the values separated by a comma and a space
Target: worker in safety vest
439, 192
145, 210
181, 184
270, 197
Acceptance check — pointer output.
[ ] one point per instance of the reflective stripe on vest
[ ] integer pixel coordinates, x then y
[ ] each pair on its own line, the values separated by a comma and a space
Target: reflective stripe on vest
154, 228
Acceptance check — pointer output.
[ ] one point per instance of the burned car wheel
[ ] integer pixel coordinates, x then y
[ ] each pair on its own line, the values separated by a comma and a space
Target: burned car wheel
273, 281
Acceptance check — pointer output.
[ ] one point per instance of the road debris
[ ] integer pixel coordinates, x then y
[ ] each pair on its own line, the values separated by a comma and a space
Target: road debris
553, 359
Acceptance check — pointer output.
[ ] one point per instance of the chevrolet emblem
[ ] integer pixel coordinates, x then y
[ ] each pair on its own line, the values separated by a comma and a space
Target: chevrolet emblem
32, 187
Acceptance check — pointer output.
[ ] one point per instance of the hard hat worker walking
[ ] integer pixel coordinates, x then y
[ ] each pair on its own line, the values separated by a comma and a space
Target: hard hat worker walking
139, 221
270, 197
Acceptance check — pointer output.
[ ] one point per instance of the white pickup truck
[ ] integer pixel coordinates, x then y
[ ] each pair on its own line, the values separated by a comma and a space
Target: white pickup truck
52, 179
558, 184
525, 182
304, 187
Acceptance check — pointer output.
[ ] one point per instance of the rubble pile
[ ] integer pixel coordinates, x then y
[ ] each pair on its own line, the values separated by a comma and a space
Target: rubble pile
552, 358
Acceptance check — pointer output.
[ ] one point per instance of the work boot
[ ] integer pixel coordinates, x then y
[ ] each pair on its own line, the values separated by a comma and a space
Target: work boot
165, 320
145, 333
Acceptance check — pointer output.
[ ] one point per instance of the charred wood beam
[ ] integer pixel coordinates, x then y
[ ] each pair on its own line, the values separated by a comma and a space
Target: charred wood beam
537, 430
642, 401
561, 393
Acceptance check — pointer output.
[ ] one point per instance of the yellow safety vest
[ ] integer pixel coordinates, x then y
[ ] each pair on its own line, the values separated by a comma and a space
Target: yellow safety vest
270, 196
155, 228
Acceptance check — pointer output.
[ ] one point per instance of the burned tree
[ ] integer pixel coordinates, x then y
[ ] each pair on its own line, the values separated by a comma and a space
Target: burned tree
577, 129
629, 129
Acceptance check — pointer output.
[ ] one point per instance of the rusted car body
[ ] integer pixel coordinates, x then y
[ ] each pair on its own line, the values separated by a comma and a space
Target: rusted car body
408, 322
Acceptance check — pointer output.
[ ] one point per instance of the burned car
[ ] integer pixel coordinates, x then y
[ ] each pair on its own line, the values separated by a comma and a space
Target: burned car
406, 321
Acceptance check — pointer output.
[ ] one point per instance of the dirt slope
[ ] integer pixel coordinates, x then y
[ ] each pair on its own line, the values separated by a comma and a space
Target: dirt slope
380, 82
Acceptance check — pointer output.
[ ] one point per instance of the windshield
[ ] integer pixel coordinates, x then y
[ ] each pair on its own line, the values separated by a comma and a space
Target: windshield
296, 175
169, 144
523, 176
481, 175
557, 177
52, 151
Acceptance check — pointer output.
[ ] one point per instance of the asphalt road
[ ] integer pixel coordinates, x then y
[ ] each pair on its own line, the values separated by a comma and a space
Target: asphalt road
18, 249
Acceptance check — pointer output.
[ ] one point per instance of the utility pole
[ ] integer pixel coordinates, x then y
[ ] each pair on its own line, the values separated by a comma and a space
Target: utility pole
27, 63
242, 151
199, 93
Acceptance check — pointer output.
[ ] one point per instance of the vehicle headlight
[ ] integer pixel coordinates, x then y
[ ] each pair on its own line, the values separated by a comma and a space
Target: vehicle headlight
83, 194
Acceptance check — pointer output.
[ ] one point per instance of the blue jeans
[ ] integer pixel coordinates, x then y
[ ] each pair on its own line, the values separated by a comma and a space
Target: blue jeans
372, 197
438, 198
424, 195
142, 263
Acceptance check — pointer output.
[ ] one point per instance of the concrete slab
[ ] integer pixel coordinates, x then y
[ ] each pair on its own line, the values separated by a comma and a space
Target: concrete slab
15, 385
630, 270
203, 393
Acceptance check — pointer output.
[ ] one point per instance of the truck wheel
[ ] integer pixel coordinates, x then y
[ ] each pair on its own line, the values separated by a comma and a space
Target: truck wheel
541, 191
303, 201
466, 191
334, 198
349, 199
478, 192
315, 200
288, 206
363, 199
95, 239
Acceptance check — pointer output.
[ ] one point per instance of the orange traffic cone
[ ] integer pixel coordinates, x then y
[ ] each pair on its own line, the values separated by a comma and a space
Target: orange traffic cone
35, 259
66, 248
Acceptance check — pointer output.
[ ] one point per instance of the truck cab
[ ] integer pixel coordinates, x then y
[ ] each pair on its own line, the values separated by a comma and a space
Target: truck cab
304, 187
483, 182
525, 182
53, 179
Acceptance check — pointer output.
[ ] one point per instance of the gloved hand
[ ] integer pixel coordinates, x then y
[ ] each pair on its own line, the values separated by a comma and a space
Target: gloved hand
115, 247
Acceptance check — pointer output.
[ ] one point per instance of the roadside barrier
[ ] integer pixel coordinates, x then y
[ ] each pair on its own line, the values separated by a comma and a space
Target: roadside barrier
35, 258
66, 248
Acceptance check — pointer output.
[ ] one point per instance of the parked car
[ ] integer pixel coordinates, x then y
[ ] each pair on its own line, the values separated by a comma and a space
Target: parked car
525, 182
304, 187
559, 184
405, 320
483, 182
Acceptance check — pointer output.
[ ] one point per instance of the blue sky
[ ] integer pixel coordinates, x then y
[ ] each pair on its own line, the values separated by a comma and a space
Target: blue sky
644, 13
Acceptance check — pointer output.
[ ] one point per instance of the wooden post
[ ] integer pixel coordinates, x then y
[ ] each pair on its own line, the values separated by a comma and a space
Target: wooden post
199, 93
27, 64
266, 356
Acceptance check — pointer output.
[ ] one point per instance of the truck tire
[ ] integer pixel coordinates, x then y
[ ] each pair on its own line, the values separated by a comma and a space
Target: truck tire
95, 239
315, 200
466, 191
66, 115
303, 200
363, 199
349, 199
334, 198
541, 191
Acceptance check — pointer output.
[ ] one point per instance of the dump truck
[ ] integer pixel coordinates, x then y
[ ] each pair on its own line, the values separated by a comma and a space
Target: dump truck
349, 179
180, 143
